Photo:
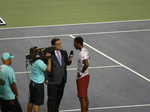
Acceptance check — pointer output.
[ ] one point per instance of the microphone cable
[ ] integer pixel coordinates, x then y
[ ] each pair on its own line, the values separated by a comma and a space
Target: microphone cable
28, 77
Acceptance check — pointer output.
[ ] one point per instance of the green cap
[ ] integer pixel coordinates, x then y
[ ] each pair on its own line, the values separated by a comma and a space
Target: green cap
6, 56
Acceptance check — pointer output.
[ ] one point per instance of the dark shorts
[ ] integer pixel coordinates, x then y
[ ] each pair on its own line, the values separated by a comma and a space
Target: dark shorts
36, 93
10, 105
82, 86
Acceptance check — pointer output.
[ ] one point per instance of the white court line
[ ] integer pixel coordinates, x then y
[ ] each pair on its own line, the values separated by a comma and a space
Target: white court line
112, 107
138, 74
71, 69
94, 33
123, 21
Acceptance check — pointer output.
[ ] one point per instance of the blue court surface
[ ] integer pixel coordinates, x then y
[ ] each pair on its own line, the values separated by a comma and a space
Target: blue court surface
119, 63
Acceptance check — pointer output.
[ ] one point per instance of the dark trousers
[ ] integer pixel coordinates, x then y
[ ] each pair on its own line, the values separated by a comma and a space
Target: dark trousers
10, 105
55, 94
36, 93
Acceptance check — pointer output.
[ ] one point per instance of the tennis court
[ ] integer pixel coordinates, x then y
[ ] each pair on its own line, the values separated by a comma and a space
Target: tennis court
119, 64
116, 33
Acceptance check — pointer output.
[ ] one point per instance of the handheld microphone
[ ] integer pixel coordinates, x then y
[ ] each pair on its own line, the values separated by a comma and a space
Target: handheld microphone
71, 54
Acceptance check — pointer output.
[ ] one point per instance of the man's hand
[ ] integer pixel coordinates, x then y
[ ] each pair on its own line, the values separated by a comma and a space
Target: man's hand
46, 81
2, 82
79, 75
48, 55
17, 96
70, 59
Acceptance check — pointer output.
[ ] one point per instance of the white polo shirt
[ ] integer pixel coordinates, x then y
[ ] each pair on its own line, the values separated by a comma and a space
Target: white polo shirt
84, 54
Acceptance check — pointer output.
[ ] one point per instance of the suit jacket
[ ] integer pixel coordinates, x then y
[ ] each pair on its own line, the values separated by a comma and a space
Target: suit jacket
58, 72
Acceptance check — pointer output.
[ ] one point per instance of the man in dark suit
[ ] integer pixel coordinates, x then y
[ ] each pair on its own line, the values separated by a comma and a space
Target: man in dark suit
57, 78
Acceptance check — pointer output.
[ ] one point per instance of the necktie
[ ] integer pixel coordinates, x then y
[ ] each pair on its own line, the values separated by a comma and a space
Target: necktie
59, 57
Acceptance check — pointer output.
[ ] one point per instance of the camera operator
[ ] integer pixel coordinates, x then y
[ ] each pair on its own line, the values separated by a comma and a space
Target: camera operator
37, 76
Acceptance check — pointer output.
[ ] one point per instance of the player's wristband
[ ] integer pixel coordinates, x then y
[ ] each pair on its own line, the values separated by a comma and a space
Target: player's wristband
79, 74
48, 57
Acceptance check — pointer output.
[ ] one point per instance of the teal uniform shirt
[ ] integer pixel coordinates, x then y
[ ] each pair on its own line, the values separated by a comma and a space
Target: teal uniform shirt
37, 71
8, 75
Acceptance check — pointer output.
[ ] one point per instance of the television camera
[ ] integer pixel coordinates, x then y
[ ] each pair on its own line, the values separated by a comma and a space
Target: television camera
38, 53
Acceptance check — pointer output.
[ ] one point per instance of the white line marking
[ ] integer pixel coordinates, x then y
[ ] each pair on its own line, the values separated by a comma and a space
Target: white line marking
138, 74
100, 67
71, 69
112, 107
123, 21
94, 33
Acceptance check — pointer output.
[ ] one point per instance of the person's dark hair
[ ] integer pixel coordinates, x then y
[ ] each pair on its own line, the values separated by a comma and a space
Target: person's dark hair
54, 40
79, 40
33, 49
